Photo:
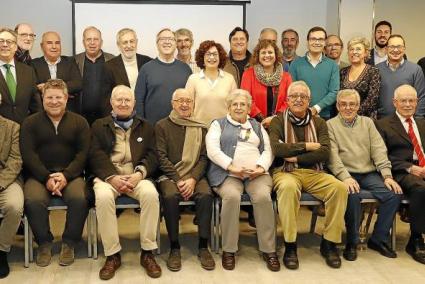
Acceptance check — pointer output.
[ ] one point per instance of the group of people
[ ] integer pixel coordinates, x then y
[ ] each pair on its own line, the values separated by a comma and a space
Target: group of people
190, 128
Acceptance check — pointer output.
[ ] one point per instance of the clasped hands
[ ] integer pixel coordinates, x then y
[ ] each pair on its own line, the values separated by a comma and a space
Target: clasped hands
56, 183
125, 183
186, 187
243, 173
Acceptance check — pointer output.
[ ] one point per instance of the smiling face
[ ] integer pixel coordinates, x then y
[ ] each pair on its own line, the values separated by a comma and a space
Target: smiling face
166, 44
183, 103
127, 45
382, 34
348, 106
239, 43
333, 47
92, 41
405, 101
51, 46
395, 49
184, 45
267, 57
298, 100
239, 109
122, 101
316, 42
54, 102
357, 53
211, 58
26, 36
289, 43
8, 46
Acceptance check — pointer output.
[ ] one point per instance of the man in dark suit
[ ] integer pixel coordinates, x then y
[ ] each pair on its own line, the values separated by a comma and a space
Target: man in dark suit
404, 137
54, 66
91, 63
17, 81
124, 68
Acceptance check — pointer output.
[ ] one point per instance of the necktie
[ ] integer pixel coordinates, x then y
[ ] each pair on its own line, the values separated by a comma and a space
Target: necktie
10, 81
416, 146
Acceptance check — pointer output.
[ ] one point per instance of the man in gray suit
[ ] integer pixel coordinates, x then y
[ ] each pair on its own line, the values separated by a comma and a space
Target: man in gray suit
91, 62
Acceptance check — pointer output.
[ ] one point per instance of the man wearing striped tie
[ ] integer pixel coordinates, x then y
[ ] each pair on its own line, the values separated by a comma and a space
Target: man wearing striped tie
404, 136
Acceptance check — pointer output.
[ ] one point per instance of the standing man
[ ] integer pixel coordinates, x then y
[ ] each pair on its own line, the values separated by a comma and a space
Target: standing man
54, 145
122, 157
319, 72
290, 41
91, 64
397, 71
17, 81
359, 159
184, 48
300, 143
124, 68
239, 54
268, 34
11, 195
54, 66
383, 30
26, 38
404, 136
333, 50
183, 163
159, 78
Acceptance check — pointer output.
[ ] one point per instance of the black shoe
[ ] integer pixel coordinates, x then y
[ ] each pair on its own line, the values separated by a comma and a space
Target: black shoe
4, 265
290, 258
382, 248
329, 251
350, 252
251, 219
416, 249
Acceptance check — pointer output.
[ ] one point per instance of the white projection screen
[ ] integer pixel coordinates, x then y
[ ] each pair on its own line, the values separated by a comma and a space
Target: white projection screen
207, 20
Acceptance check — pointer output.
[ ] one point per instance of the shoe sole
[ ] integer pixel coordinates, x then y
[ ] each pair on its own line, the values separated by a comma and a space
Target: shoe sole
174, 269
61, 263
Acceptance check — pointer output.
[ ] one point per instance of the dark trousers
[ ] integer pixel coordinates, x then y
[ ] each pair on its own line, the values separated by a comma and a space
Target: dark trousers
171, 197
414, 188
37, 199
389, 203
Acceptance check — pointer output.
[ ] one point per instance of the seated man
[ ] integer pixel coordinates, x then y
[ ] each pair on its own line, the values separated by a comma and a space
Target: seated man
358, 157
54, 145
404, 137
11, 195
122, 157
180, 146
300, 142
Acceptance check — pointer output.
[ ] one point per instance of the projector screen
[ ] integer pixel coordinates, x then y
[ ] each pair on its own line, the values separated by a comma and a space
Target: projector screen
206, 21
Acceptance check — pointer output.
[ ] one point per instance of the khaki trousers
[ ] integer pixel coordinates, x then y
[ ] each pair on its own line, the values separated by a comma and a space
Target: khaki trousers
145, 192
11, 206
259, 191
323, 186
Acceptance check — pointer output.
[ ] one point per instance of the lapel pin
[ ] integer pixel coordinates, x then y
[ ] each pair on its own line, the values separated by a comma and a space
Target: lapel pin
139, 139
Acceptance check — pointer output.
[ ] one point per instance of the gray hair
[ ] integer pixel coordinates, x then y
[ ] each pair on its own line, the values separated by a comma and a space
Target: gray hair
346, 93
238, 93
360, 40
12, 32
163, 30
184, 32
123, 32
180, 91
121, 88
89, 28
406, 87
268, 30
299, 83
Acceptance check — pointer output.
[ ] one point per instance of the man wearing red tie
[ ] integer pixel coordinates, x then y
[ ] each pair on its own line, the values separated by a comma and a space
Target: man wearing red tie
404, 137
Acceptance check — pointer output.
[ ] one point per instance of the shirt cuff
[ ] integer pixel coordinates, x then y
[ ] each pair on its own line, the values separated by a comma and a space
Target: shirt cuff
317, 108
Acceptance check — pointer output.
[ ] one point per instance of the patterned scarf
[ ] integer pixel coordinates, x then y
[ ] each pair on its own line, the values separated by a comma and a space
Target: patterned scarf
310, 134
23, 56
124, 123
270, 80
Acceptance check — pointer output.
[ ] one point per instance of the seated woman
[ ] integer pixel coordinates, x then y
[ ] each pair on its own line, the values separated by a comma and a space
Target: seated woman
239, 149
266, 81
362, 77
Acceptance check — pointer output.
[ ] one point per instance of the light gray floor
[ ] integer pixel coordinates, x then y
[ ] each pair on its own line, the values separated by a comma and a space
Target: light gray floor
369, 268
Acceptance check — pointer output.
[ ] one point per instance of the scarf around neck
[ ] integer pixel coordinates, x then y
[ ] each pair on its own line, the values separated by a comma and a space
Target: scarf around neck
124, 123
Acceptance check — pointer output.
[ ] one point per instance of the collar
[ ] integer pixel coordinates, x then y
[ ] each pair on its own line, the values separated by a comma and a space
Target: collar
403, 119
307, 54
246, 125
166, 62
396, 66
52, 64
247, 56
202, 74
97, 57
11, 62
348, 123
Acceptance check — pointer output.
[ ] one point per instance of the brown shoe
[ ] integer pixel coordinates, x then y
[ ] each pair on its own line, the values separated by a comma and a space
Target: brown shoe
112, 263
147, 260
228, 260
206, 259
174, 261
272, 261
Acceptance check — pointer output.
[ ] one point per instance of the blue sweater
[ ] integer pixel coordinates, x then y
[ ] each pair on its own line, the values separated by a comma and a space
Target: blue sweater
155, 86
407, 73
323, 81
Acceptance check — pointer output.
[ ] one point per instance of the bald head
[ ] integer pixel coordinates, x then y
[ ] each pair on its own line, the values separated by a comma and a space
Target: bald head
51, 46
405, 100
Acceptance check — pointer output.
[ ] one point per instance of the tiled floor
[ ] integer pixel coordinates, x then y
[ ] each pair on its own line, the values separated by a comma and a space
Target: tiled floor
369, 268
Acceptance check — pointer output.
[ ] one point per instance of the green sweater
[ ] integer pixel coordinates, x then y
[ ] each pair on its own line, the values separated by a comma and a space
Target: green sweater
306, 159
358, 149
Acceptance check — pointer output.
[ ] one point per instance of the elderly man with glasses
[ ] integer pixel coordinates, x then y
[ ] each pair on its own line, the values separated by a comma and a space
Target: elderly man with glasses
26, 38
359, 159
300, 143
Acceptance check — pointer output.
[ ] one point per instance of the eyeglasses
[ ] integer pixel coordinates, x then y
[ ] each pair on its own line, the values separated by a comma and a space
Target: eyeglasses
8, 42
348, 105
407, 101
123, 101
25, 35
319, 40
183, 101
333, 45
303, 97
166, 39
213, 54
394, 47
357, 49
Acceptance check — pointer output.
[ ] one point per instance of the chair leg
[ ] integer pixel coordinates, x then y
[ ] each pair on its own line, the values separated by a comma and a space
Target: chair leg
313, 220
212, 237
394, 233
94, 222
158, 236
89, 234
30, 244
217, 225
26, 242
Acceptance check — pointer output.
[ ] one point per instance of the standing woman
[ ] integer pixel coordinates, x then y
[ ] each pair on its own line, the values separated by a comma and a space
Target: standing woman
212, 85
266, 81
362, 77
